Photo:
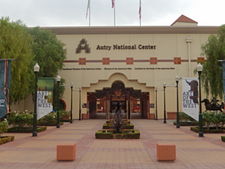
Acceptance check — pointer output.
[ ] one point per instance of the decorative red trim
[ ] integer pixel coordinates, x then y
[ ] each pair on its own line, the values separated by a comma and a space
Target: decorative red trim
200, 59
153, 60
129, 61
82, 61
177, 60
105, 61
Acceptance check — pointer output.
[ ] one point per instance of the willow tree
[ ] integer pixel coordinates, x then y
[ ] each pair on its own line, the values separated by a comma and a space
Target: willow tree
15, 43
214, 50
48, 53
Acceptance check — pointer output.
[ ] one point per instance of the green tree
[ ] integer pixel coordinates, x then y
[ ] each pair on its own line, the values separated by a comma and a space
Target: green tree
48, 52
214, 50
15, 43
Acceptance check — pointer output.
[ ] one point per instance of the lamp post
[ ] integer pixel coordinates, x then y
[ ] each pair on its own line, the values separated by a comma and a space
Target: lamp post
34, 130
71, 105
178, 117
164, 89
58, 79
199, 70
79, 104
156, 106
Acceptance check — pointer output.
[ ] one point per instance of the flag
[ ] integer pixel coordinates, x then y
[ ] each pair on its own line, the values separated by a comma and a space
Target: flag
88, 9
190, 102
113, 3
5, 77
44, 96
140, 9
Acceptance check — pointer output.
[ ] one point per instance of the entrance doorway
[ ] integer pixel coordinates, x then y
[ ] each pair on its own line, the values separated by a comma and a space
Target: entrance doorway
114, 104
134, 103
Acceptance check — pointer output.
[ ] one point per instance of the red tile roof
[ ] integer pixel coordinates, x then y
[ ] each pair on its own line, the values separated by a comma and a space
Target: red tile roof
184, 19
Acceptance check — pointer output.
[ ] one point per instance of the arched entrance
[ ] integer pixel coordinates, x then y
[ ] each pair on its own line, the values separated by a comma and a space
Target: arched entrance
134, 102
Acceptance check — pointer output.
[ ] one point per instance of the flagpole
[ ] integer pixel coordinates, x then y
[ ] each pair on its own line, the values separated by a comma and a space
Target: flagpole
89, 12
140, 12
114, 14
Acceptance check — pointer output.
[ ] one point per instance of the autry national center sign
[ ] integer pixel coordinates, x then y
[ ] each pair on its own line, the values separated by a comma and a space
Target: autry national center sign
84, 46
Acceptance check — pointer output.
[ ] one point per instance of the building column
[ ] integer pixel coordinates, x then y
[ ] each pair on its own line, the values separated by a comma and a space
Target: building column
188, 42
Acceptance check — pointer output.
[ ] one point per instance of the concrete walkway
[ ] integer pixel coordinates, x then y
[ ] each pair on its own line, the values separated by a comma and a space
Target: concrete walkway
28, 152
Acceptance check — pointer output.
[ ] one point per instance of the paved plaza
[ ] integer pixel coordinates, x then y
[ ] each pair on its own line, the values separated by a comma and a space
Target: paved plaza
28, 152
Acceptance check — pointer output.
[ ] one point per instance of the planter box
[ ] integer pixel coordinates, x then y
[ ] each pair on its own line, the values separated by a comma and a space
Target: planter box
171, 115
66, 152
187, 123
166, 152
126, 134
210, 130
6, 139
25, 129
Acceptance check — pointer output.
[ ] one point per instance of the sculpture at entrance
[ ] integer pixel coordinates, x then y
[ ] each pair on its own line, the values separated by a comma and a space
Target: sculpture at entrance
213, 105
117, 121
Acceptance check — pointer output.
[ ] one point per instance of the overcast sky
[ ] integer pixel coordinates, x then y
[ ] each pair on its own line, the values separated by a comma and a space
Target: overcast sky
73, 12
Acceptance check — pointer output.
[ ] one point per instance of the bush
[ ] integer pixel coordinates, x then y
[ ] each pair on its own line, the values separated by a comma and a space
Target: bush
64, 115
184, 117
48, 120
223, 138
5, 139
208, 130
103, 134
25, 129
187, 123
125, 125
214, 119
126, 134
3, 126
129, 134
20, 119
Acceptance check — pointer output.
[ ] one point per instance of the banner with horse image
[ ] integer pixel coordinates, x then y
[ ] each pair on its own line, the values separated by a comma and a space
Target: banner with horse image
44, 96
5, 77
190, 101
223, 64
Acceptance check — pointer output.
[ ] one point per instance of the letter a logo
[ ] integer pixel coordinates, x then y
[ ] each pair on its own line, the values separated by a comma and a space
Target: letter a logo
83, 46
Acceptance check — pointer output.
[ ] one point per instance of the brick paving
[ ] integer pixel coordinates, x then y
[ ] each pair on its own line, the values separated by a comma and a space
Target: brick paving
28, 152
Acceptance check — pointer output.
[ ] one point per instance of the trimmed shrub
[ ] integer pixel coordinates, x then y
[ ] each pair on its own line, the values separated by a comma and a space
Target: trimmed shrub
125, 125
103, 134
5, 139
3, 126
187, 123
126, 134
20, 119
25, 129
48, 120
214, 119
223, 138
131, 134
185, 118
208, 130
64, 115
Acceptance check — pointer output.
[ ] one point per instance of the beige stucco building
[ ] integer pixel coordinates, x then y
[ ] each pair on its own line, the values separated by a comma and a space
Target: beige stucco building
106, 65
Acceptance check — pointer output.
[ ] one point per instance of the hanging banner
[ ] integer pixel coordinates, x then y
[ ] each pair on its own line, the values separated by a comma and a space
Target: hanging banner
190, 101
223, 64
44, 96
5, 77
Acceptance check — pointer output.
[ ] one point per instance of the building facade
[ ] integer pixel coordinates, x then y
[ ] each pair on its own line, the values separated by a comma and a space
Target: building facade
129, 65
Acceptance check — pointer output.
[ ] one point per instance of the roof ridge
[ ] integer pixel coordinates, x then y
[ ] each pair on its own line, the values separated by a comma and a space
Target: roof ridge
184, 19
